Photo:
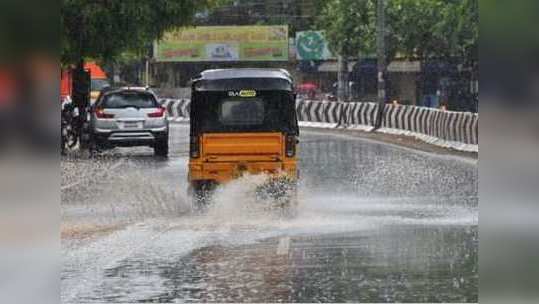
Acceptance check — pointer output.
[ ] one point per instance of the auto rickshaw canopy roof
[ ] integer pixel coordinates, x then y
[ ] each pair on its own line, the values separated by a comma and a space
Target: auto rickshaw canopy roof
243, 78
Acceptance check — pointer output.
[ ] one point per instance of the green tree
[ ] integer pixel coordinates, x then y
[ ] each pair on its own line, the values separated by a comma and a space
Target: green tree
446, 30
423, 29
349, 26
103, 29
350, 31
415, 29
458, 29
410, 24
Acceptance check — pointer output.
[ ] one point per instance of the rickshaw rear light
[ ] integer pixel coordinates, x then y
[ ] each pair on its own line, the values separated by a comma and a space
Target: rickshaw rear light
291, 145
194, 147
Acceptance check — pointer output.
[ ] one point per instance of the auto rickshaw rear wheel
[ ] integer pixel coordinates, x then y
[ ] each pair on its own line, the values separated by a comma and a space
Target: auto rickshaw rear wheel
200, 194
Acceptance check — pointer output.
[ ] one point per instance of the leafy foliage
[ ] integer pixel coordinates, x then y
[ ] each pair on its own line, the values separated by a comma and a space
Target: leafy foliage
434, 28
415, 29
103, 29
350, 26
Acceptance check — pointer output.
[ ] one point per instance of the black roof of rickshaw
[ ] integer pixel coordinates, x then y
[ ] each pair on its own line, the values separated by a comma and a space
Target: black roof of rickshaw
220, 74
243, 78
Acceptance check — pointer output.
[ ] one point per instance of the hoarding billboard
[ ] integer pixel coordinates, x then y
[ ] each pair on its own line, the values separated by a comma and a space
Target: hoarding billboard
223, 43
312, 45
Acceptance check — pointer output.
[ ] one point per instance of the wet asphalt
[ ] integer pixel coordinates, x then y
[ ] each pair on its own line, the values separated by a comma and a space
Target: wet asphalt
376, 223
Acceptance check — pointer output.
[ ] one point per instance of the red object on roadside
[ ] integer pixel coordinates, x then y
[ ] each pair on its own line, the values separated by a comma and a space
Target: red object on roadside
66, 83
308, 86
66, 78
96, 72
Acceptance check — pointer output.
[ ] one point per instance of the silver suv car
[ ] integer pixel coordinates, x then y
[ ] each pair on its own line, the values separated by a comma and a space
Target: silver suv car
129, 117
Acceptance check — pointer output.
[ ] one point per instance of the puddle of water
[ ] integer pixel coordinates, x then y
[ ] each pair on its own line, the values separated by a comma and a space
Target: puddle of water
401, 264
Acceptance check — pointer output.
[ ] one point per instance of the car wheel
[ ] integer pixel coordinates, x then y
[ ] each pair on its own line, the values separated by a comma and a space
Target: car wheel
161, 147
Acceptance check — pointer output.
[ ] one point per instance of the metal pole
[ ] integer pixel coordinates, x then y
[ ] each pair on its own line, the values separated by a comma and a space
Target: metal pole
147, 73
381, 55
341, 81
342, 90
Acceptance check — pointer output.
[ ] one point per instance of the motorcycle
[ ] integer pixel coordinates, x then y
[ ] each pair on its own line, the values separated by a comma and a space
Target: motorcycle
69, 134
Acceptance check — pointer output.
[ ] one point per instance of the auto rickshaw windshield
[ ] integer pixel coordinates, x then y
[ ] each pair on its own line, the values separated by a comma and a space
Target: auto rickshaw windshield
268, 111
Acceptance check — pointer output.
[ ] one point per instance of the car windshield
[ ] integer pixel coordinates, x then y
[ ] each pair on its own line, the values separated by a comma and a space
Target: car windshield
129, 99
99, 84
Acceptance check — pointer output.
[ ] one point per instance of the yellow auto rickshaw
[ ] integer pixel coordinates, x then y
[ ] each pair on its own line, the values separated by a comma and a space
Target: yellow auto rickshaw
243, 121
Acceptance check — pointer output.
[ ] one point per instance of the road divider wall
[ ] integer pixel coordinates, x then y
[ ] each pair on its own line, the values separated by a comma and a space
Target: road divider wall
456, 130
177, 109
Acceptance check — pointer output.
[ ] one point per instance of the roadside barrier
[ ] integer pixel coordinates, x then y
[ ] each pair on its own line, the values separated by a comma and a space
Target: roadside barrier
456, 130
451, 126
177, 109
319, 112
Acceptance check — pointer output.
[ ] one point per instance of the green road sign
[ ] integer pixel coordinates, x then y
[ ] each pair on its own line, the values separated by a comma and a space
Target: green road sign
312, 45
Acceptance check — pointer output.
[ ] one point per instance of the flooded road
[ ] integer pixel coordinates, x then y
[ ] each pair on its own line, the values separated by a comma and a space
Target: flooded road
376, 223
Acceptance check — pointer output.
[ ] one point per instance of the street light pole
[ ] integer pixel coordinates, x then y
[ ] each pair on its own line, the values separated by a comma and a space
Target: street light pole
381, 55
342, 67
147, 72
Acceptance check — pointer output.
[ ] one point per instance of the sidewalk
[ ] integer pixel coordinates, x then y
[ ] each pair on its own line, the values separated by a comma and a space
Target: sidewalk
400, 140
